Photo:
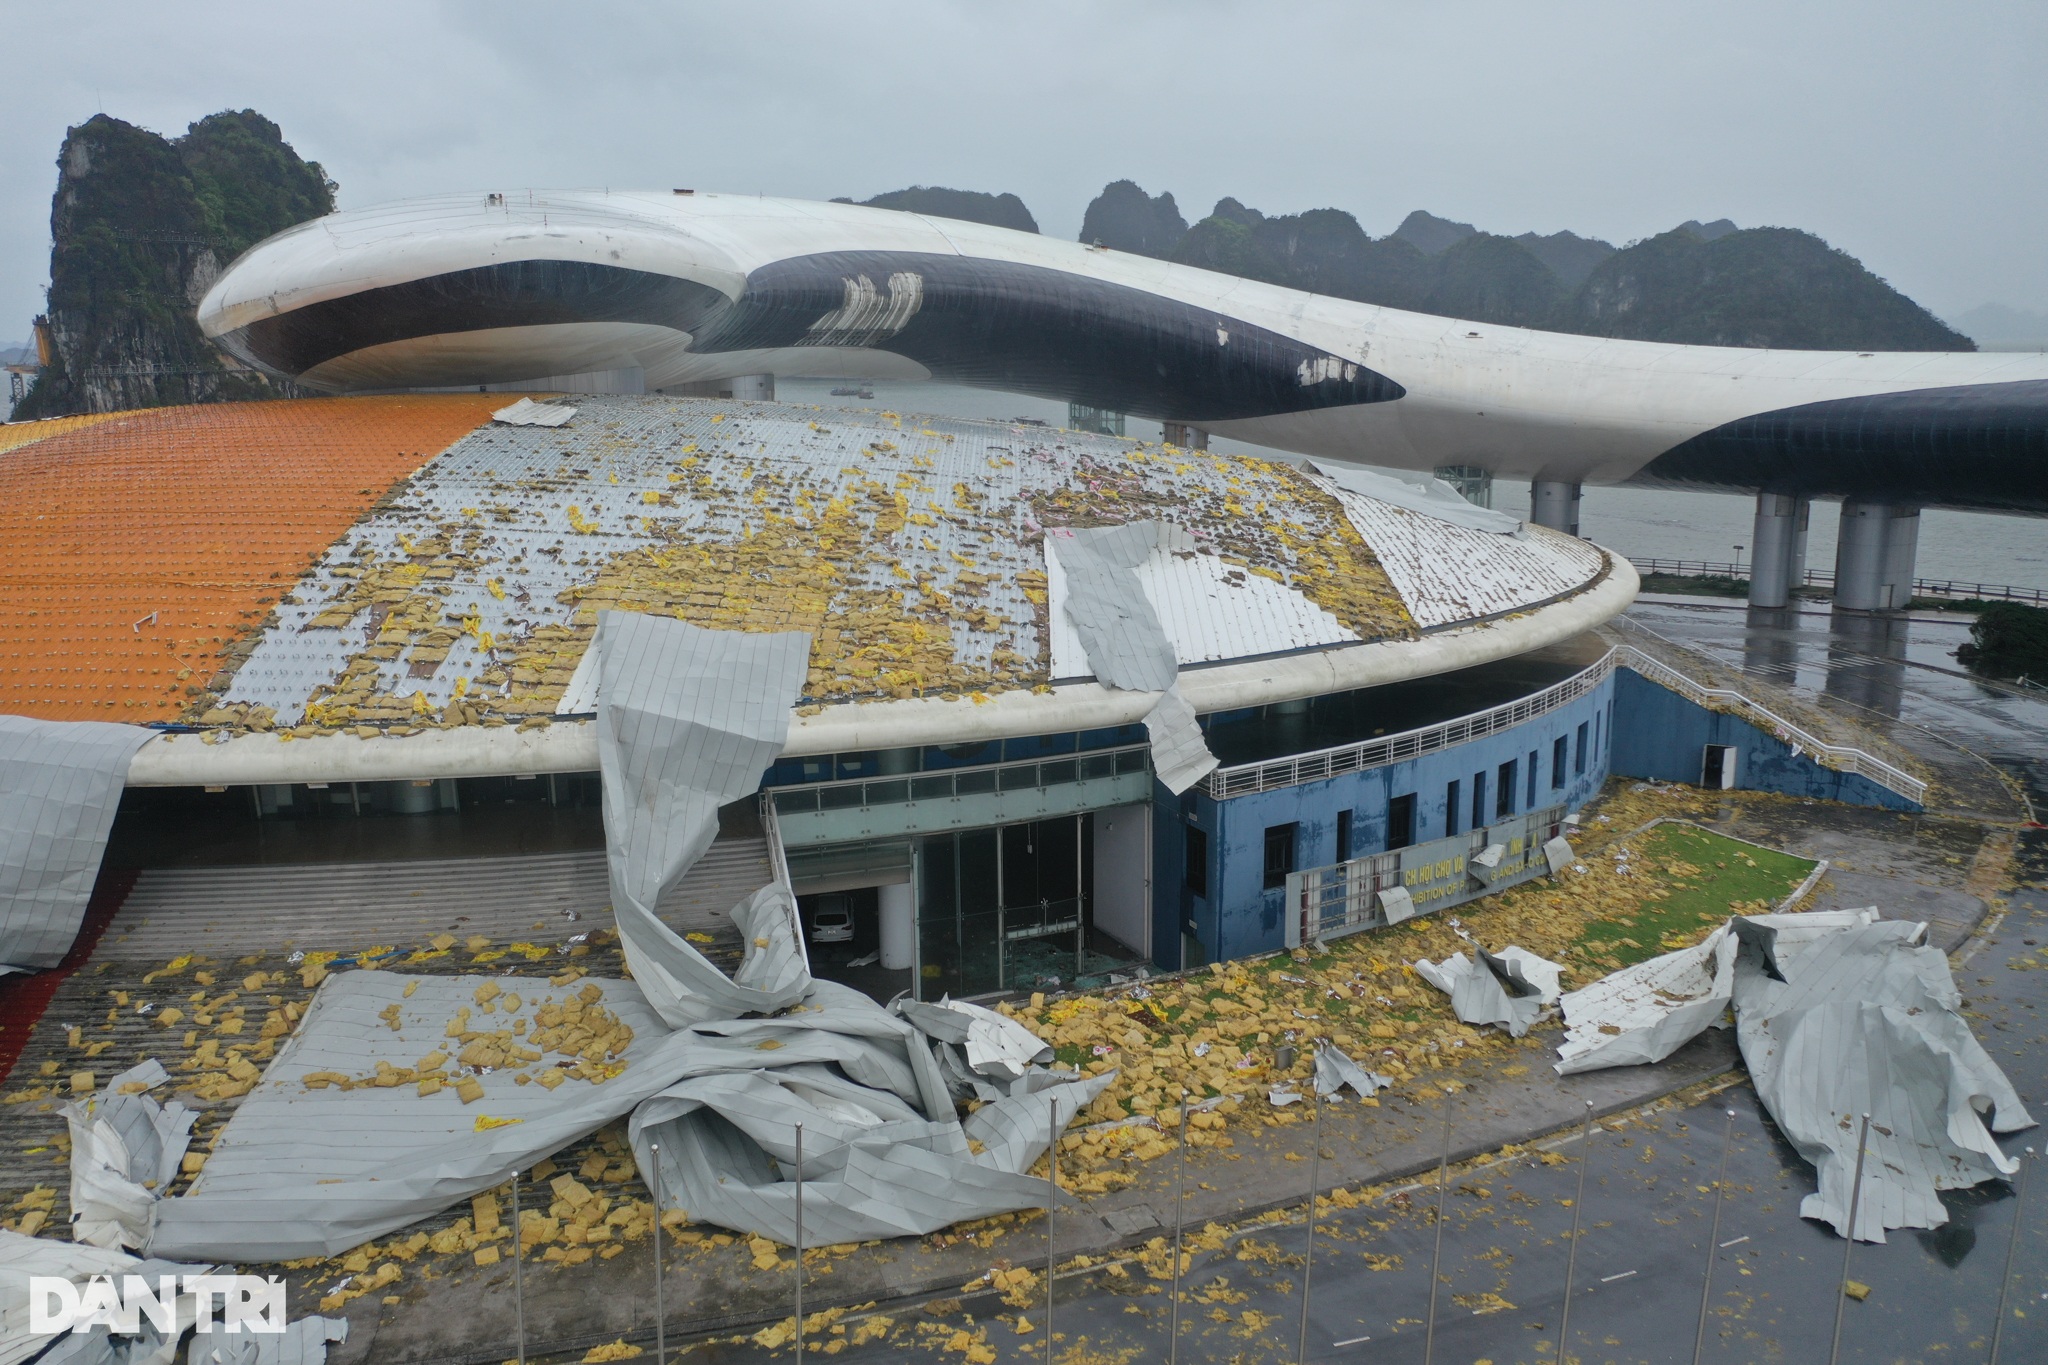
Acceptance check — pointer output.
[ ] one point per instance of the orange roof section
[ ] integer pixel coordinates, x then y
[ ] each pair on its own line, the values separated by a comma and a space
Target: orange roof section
134, 551
14, 434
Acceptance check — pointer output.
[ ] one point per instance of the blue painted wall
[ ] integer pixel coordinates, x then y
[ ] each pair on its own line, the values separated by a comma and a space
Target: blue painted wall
1660, 734
1241, 916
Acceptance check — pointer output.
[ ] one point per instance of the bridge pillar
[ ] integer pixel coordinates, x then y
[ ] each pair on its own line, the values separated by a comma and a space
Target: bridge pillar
1777, 561
1874, 555
1555, 504
1186, 437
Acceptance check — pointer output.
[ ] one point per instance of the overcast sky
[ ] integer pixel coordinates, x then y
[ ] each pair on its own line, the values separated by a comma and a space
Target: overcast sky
1910, 135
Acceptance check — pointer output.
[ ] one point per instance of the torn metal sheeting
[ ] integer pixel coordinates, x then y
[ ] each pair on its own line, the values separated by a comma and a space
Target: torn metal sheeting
24, 1258
1837, 1014
1180, 752
872, 1166
1510, 988
1646, 1012
1335, 1070
311, 1171
687, 720
527, 413
1121, 634
63, 781
304, 1342
1867, 1019
1558, 854
994, 1045
1433, 498
1119, 628
1397, 904
125, 1151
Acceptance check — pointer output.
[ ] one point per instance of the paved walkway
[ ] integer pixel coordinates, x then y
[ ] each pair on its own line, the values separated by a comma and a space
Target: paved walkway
1933, 865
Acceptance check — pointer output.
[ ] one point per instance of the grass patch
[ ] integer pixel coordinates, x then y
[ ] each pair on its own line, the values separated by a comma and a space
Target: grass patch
1705, 877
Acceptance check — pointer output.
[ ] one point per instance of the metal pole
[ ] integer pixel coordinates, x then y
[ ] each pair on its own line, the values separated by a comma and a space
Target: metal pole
660, 1317
1443, 1181
1180, 1184
1571, 1260
1699, 1339
2019, 1194
518, 1271
1849, 1240
1308, 1261
1052, 1170
799, 1244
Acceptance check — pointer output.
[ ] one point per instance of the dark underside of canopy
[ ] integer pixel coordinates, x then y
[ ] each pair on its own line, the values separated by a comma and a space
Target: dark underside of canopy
1978, 446
1021, 328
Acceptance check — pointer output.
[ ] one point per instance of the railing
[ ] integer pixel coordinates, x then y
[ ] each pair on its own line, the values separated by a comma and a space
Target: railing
1319, 764
1824, 578
1842, 758
1247, 778
859, 792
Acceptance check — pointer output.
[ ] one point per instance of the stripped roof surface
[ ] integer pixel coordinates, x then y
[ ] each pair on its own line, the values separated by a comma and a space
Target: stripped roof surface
317, 565
1448, 573
909, 549
141, 548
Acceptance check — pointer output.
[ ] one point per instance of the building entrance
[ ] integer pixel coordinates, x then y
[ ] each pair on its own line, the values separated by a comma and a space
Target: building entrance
1011, 908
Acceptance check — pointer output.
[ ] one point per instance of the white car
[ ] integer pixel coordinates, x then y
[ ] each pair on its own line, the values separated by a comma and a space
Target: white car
831, 920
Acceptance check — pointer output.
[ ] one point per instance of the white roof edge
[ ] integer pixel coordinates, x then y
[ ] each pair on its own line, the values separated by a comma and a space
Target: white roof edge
571, 746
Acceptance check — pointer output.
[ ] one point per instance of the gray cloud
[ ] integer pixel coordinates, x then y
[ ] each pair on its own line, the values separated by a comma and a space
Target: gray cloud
1904, 134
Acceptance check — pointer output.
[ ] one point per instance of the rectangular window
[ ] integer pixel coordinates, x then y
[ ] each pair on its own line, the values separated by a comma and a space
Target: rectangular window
1401, 821
1196, 874
1279, 854
1504, 790
1451, 811
1343, 836
1478, 800
1579, 754
1557, 750
1530, 801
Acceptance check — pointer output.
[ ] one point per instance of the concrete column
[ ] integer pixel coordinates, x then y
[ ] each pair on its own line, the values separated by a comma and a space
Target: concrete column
414, 798
1874, 555
899, 926
758, 387
1186, 437
1555, 504
1776, 545
1795, 564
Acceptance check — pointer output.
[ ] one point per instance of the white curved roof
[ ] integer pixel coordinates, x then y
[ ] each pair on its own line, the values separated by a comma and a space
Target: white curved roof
1518, 401
913, 549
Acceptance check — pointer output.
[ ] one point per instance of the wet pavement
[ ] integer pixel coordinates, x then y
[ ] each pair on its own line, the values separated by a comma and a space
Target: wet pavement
1649, 1210
1647, 1221
1897, 669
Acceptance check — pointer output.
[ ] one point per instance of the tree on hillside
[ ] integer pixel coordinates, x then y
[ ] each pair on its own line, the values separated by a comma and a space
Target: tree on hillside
1124, 218
141, 226
969, 206
1775, 287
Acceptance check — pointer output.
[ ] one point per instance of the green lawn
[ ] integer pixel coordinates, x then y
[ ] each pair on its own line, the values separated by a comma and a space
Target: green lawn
1705, 877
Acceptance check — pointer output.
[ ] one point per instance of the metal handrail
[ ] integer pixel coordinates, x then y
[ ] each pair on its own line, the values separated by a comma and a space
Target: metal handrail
1825, 578
1317, 765
851, 793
